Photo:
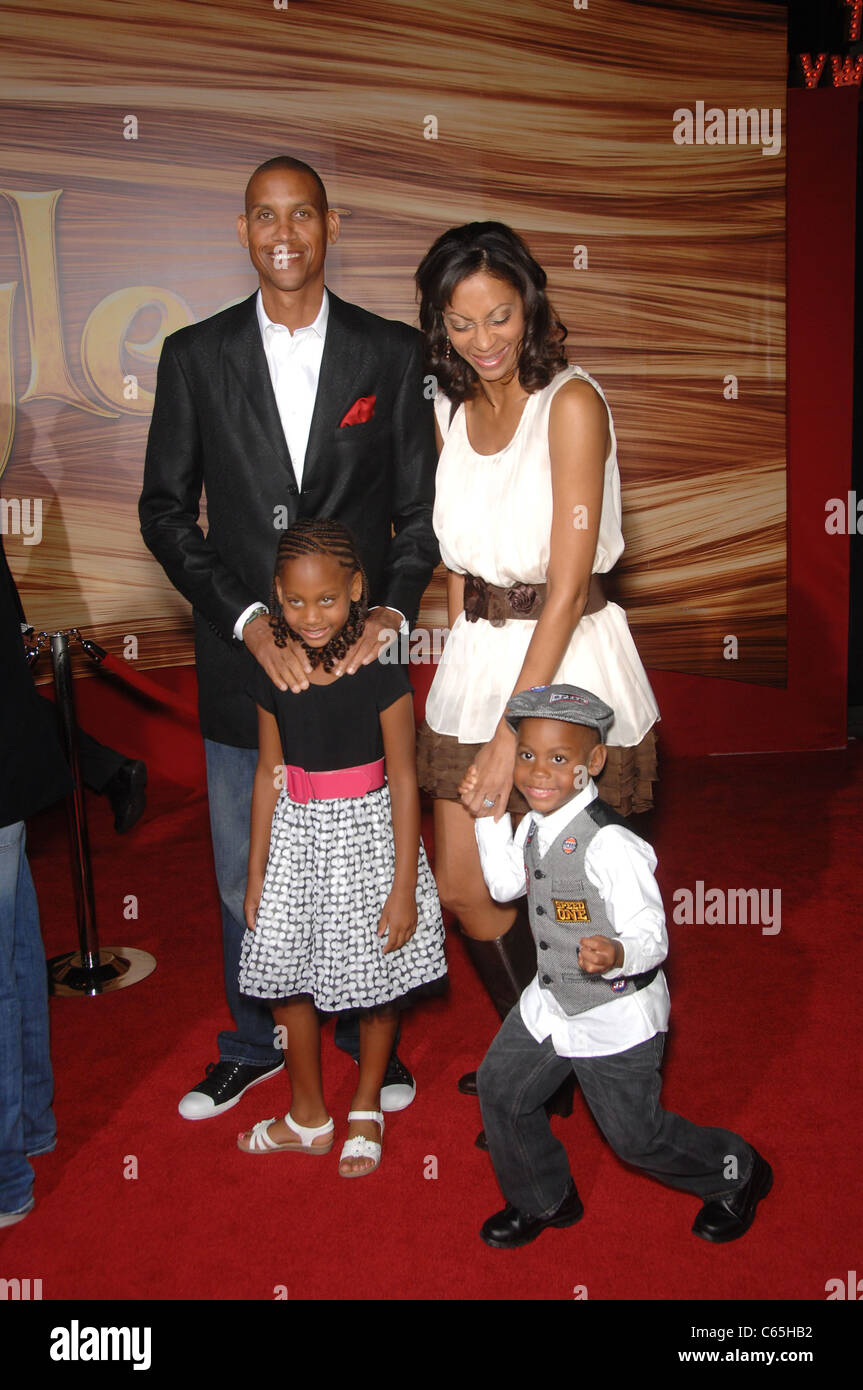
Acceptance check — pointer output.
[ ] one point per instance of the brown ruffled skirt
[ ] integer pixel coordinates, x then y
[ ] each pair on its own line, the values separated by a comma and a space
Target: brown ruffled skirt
626, 781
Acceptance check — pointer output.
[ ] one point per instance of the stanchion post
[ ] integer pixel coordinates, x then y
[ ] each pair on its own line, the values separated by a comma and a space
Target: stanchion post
85, 910
89, 970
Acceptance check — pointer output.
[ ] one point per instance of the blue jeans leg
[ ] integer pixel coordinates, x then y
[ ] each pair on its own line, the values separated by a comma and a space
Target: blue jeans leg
26, 1081
230, 775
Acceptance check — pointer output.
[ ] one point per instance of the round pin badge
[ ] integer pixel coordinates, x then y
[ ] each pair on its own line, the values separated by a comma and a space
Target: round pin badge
570, 846
618, 986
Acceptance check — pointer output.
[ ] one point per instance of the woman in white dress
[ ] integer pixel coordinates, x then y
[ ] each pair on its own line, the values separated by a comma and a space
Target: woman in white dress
527, 512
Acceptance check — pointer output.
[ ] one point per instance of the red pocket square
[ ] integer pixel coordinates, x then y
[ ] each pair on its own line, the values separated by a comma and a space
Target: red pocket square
360, 411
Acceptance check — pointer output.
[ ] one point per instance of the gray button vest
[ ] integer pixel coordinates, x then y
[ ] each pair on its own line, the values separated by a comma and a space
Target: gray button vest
564, 906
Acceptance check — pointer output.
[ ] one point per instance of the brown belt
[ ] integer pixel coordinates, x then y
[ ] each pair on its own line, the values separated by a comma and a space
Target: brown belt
495, 604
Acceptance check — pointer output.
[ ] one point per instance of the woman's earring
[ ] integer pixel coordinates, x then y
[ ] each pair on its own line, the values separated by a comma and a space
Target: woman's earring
448, 353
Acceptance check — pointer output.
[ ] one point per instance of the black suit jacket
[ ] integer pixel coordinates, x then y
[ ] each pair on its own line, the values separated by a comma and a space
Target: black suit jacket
215, 424
33, 770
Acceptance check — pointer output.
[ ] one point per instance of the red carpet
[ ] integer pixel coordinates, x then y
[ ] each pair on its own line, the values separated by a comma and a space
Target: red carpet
766, 1039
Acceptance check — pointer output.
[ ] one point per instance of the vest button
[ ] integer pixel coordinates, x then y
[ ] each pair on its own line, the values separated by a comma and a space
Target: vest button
543, 945
537, 873
540, 910
546, 979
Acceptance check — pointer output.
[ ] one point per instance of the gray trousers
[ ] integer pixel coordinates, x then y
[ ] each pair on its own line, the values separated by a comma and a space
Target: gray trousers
517, 1077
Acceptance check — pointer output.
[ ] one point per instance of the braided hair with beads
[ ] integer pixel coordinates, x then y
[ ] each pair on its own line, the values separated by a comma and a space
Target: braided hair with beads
320, 536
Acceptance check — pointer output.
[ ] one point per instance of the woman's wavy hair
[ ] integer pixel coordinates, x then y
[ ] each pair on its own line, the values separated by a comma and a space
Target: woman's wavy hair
321, 536
498, 250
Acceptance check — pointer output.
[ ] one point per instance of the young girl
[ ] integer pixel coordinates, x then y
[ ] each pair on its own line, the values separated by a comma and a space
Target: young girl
341, 907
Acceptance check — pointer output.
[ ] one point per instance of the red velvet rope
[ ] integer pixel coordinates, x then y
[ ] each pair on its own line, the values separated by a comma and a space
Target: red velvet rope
147, 686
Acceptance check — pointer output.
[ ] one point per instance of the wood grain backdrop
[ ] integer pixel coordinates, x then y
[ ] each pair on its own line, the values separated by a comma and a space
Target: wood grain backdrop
555, 119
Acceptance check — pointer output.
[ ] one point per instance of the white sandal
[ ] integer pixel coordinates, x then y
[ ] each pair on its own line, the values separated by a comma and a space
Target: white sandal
360, 1146
259, 1141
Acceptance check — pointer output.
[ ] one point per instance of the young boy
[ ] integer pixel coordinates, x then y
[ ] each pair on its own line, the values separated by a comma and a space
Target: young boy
599, 1003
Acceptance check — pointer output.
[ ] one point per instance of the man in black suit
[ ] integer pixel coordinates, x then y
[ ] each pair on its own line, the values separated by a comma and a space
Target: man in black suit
33, 773
290, 404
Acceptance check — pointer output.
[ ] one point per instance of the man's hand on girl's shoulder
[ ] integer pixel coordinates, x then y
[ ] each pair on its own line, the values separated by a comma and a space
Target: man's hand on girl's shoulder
381, 628
287, 667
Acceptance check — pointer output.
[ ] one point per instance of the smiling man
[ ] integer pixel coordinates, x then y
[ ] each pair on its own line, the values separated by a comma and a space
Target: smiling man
292, 403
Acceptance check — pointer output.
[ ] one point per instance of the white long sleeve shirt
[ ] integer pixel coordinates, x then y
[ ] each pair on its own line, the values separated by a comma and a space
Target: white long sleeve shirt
294, 361
620, 865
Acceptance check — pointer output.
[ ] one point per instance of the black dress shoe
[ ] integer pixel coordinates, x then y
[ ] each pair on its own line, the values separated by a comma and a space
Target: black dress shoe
467, 1084
222, 1087
510, 1228
127, 795
728, 1218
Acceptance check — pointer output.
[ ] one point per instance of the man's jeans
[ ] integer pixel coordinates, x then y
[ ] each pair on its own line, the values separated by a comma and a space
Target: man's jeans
519, 1074
230, 776
26, 1084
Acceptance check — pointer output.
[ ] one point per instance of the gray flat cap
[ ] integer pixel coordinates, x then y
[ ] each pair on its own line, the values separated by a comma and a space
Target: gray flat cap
567, 702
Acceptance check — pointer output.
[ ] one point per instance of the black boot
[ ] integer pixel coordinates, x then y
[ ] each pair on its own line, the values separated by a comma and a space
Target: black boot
506, 965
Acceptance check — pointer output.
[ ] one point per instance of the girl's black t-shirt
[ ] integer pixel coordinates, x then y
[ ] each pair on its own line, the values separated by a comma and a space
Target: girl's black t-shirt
333, 726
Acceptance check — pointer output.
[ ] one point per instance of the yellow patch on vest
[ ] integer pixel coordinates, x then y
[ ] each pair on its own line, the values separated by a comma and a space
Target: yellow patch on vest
573, 910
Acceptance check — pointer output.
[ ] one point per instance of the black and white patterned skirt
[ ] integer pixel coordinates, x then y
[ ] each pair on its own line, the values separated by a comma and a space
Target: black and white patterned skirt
329, 873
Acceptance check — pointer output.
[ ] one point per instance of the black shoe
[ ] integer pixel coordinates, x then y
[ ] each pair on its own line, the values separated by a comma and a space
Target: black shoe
728, 1218
222, 1087
399, 1087
467, 1084
510, 1228
127, 795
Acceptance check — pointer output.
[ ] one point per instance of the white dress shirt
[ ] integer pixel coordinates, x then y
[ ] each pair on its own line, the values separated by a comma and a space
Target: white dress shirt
620, 866
294, 360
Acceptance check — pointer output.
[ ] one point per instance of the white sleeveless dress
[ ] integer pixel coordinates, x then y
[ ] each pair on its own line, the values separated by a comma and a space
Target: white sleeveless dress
492, 517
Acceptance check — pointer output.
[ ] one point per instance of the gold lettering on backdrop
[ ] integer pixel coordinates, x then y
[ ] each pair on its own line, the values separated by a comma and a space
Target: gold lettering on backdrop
34, 218
7, 373
105, 340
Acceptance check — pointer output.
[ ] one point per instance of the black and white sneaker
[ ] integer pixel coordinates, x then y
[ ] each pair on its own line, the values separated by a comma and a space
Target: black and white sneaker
221, 1088
399, 1087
